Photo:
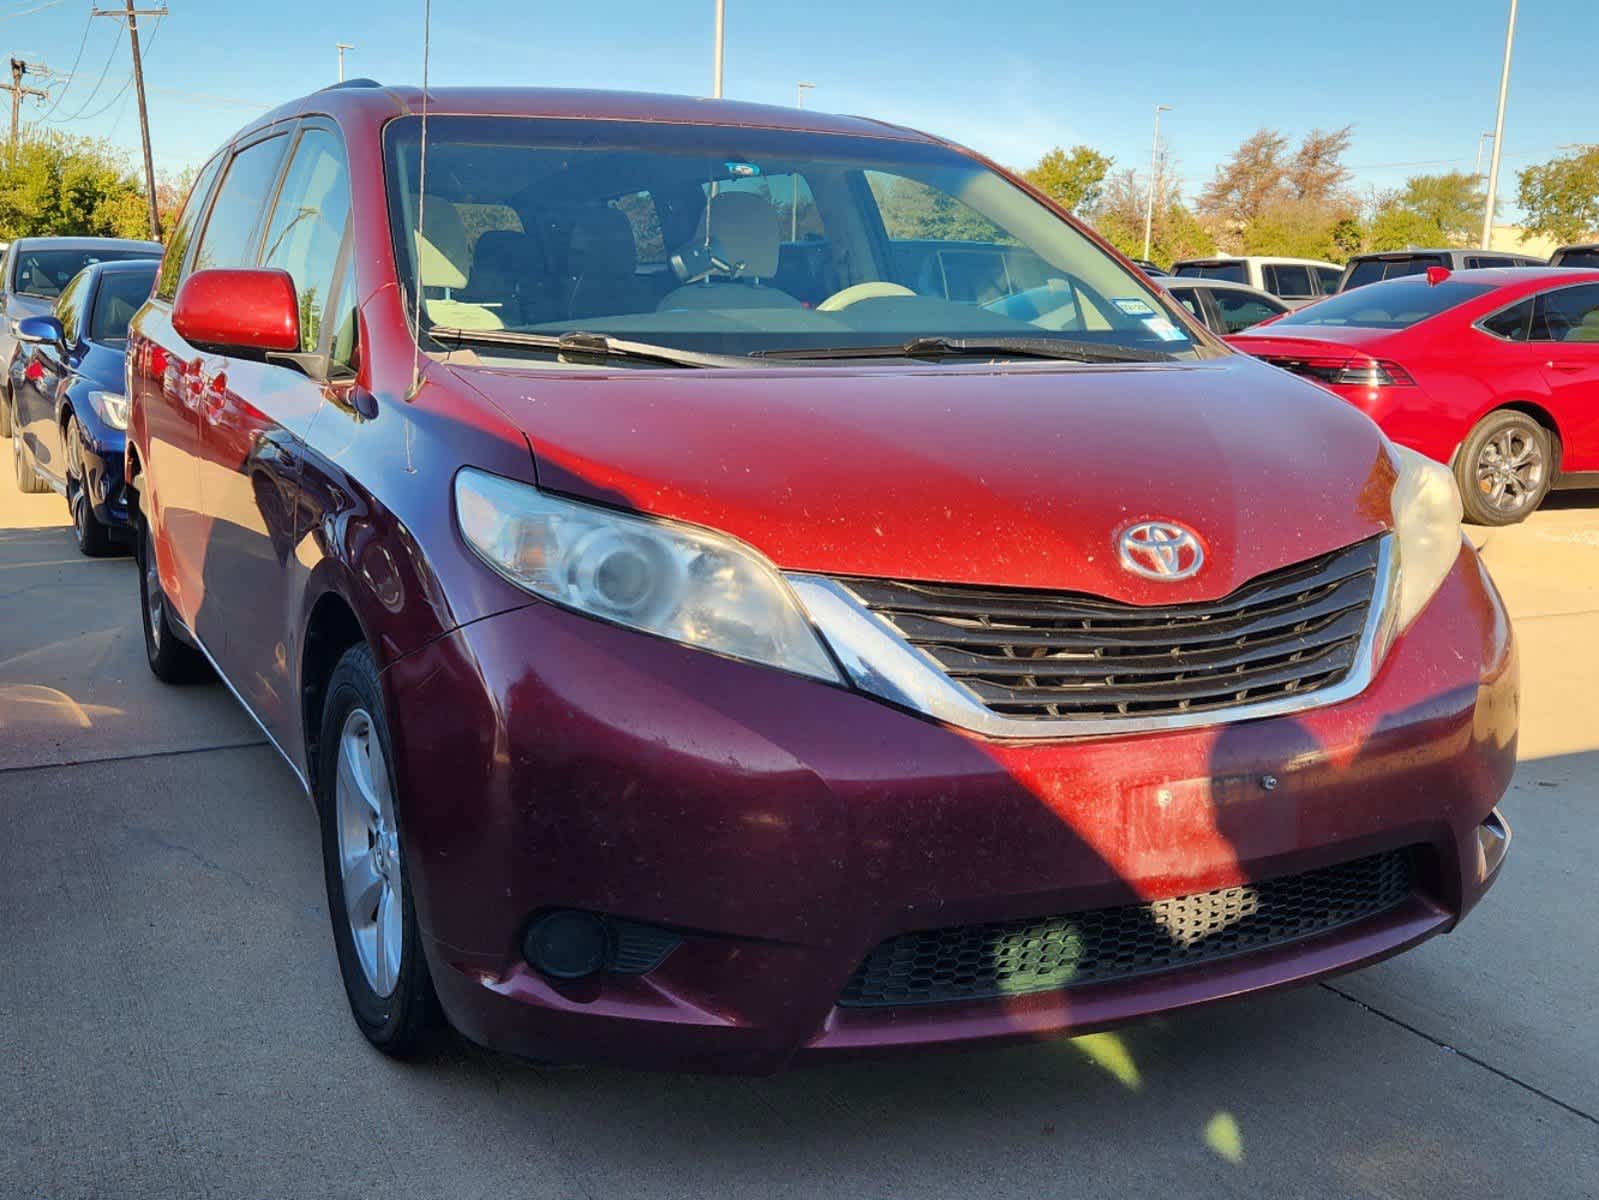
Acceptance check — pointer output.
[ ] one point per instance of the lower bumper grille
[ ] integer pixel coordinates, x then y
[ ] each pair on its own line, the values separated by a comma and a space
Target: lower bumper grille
1008, 958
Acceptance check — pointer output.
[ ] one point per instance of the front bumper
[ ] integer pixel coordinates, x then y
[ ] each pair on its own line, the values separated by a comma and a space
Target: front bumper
784, 828
104, 465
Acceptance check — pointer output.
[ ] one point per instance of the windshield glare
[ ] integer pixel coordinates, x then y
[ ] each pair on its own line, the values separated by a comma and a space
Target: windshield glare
734, 241
1398, 304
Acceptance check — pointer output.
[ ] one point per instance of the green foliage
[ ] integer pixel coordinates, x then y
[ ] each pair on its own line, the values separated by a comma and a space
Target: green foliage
1301, 229
1445, 209
912, 210
55, 185
1175, 234
1073, 179
1266, 199
1561, 196
1395, 228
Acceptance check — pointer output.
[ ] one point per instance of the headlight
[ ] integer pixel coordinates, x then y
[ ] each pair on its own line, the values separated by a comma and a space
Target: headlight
1426, 512
676, 581
113, 409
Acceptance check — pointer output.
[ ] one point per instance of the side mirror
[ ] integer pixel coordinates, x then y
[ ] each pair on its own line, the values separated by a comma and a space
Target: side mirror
253, 310
40, 331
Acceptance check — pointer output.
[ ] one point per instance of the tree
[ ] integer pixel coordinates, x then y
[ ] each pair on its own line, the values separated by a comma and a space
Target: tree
1430, 210
1176, 232
1317, 174
1266, 200
1073, 179
912, 210
1561, 196
1243, 184
52, 184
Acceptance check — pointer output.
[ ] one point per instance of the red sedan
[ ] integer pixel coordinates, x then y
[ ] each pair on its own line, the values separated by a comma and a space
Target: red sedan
1495, 372
742, 584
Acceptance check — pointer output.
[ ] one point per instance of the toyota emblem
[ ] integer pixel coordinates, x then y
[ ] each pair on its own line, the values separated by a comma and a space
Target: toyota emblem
1161, 550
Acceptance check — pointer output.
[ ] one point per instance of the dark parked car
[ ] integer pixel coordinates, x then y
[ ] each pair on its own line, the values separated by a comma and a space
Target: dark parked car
1586, 257
1224, 307
1396, 264
687, 675
71, 413
32, 274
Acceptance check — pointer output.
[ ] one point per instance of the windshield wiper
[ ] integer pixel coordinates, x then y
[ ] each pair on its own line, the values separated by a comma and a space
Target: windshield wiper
589, 345
987, 347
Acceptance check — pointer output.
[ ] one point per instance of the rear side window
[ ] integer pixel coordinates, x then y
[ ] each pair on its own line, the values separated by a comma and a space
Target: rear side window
1397, 305
1288, 280
120, 296
1569, 314
230, 230
1514, 324
307, 225
1328, 278
183, 231
1364, 272
1240, 310
1232, 272
1579, 258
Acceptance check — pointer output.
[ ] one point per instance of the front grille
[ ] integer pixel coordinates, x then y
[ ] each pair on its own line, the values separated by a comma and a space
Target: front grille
1009, 958
1059, 655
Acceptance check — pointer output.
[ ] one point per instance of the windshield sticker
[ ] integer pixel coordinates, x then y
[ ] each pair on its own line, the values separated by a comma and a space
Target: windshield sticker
1164, 330
1134, 308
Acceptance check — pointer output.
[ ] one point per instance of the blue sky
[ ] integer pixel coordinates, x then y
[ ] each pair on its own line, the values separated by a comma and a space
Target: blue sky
1418, 80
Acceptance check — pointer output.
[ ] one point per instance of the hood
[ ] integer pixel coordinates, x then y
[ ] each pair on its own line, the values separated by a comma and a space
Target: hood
1008, 476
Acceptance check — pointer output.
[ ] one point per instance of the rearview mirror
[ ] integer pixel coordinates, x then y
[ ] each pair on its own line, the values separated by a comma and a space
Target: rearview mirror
238, 309
40, 331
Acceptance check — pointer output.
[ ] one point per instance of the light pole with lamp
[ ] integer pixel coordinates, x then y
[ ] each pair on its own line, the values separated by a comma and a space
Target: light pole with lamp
342, 47
1492, 200
1154, 172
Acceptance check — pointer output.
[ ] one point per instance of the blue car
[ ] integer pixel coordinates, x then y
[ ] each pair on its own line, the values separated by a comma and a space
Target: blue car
69, 410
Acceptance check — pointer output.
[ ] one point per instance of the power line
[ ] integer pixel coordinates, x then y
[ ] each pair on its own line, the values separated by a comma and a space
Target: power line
98, 83
72, 71
28, 12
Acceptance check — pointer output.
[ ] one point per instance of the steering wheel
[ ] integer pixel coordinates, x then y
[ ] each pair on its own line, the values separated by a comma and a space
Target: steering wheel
877, 289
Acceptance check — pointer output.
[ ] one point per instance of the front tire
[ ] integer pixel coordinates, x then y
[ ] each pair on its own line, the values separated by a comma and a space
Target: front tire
94, 539
5, 412
171, 659
375, 931
1504, 468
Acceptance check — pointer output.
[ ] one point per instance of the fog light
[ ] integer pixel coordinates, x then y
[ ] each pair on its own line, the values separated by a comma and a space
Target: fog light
568, 944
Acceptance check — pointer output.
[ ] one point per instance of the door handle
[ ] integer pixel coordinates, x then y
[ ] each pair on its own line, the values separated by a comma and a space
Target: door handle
1566, 368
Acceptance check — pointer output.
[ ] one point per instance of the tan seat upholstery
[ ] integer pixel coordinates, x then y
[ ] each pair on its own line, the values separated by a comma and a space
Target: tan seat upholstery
444, 261
744, 232
602, 262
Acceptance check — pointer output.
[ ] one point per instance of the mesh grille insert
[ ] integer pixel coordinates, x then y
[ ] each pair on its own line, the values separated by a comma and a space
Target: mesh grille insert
976, 962
1059, 655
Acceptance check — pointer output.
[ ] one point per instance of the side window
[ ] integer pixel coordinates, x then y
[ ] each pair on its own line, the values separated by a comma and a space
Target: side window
1240, 310
1189, 299
1328, 278
1513, 323
308, 223
230, 230
1287, 280
914, 211
69, 307
1567, 315
166, 284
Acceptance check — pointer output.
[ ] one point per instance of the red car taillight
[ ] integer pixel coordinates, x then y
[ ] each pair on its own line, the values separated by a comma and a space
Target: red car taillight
1349, 372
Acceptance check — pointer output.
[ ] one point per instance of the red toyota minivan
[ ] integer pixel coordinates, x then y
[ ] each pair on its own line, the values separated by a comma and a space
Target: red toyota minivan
743, 585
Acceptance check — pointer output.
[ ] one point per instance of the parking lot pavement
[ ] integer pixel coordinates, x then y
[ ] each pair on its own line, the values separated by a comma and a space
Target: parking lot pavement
172, 1024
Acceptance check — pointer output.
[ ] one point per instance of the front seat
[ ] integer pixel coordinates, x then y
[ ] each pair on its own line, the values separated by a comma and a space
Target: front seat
508, 270
742, 230
602, 263
444, 261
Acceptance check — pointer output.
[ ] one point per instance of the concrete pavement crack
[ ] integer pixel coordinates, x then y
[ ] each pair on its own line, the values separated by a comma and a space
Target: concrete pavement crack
1467, 1055
115, 758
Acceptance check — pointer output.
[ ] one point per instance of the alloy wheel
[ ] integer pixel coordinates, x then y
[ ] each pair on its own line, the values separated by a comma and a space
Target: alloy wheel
77, 488
1510, 469
369, 853
155, 601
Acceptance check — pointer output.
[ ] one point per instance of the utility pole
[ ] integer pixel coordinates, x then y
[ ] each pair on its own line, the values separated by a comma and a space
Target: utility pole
18, 70
131, 15
1492, 201
1154, 173
716, 57
342, 47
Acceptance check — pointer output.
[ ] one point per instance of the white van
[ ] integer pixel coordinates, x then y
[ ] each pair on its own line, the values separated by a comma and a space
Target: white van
1296, 281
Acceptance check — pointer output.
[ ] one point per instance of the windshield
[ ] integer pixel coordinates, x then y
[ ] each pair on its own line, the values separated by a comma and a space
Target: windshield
122, 292
45, 272
1398, 304
1231, 272
740, 241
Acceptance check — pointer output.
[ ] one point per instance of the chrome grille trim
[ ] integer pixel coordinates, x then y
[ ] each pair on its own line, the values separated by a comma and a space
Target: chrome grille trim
880, 660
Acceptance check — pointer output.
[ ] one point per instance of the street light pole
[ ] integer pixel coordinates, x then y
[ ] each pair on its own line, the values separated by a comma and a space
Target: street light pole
1499, 134
342, 47
793, 180
1482, 141
1154, 168
716, 63
799, 93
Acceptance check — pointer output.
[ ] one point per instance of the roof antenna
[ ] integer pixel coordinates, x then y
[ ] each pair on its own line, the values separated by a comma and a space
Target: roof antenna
416, 245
